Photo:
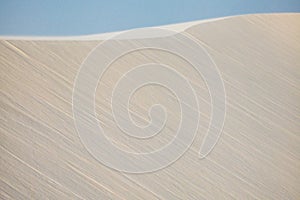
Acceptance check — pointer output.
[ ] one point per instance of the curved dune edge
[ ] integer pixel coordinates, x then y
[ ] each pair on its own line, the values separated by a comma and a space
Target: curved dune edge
257, 156
178, 27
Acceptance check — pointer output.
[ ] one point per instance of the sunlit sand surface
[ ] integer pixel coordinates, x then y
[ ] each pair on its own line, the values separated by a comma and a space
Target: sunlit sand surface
256, 157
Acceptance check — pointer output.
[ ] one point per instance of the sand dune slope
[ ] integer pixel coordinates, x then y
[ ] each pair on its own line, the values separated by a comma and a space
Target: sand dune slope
256, 157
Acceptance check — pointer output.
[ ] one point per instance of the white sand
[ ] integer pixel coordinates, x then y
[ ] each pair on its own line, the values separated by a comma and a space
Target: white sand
257, 156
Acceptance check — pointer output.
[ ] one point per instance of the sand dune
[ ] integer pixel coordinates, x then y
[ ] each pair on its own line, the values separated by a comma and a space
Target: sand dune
256, 157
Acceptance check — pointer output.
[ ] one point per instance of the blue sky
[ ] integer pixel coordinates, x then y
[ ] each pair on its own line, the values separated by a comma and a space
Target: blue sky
74, 17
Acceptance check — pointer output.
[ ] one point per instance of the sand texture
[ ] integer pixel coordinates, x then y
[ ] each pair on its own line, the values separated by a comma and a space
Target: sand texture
256, 157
